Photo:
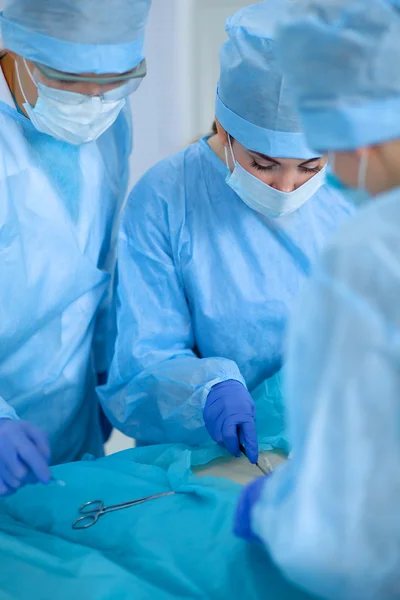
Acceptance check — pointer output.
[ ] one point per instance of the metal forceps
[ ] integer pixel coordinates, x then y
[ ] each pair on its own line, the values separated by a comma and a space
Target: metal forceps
93, 510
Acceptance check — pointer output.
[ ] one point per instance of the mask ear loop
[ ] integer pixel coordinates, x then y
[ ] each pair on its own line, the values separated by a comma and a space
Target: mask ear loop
226, 154
226, 158
30, 74
19, 80
362, 172
20, 83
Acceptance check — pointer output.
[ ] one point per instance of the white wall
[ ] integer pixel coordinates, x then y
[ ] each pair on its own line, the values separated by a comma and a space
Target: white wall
161, 120
175, 103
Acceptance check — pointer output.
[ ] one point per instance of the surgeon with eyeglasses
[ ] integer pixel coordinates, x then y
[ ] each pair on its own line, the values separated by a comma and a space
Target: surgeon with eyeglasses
206, 285
65, 137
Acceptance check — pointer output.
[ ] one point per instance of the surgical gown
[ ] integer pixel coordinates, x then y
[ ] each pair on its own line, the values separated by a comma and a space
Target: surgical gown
204, 294
59, 213
330, 517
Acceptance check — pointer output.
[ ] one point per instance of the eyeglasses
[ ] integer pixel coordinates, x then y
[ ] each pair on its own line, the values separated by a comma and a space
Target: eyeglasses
138, 72
109, 89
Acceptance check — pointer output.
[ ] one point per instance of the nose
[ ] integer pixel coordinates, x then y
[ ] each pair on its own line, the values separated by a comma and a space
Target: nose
97, 91
284, 182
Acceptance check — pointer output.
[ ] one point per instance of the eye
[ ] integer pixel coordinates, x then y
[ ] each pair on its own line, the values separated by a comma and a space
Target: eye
310, 170
258, 167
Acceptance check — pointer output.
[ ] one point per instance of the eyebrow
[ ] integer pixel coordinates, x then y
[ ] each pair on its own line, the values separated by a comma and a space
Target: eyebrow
310, 160
264, 157
276, 162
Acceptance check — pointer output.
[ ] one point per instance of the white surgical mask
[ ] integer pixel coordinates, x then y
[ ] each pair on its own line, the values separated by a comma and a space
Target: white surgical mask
68, 116
265, 199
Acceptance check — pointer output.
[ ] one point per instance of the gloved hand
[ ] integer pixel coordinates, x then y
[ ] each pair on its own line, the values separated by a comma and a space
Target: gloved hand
230, 412
24, 455
248, 498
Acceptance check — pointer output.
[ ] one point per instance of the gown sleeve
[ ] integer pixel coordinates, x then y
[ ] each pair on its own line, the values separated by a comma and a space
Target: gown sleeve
158, 385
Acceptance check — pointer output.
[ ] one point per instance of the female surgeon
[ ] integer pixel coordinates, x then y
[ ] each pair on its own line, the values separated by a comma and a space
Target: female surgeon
330, 516
204, 285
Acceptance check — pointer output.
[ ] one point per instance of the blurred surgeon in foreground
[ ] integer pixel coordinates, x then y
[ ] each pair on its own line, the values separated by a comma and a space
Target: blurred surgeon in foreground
65, 138
204, 286
330, 517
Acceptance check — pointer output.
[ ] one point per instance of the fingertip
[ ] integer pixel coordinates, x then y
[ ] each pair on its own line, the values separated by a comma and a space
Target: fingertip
14, 483
5, 490
252, 455
45, 477
251, 442
20, 470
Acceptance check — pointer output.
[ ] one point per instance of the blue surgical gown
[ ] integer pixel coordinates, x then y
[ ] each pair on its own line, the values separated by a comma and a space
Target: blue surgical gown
58, 226
330, 516
204, 294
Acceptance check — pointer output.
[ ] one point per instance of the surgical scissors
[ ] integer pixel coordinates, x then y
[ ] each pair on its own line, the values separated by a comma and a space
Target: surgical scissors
93, 510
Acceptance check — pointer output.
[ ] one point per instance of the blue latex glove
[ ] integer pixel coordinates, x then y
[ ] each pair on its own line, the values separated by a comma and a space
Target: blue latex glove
248, 498
24, 455
229, 413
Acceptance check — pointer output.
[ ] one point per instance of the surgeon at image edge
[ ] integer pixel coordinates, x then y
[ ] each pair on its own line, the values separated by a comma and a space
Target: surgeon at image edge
204, 286
330, 516
67, 71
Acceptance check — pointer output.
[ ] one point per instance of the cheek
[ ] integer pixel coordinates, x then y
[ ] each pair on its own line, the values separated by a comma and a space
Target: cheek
346, 167
268, 177
302, 177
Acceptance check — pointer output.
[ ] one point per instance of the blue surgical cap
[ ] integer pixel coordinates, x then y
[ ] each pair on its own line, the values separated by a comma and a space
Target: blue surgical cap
342, 61
254, 104
77, 36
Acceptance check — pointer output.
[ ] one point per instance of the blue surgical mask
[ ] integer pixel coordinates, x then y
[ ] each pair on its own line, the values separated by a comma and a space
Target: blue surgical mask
265, 199
357, 196
68, 116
